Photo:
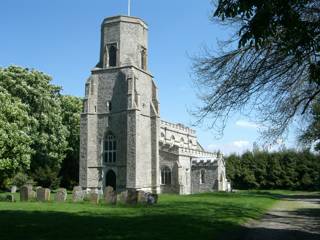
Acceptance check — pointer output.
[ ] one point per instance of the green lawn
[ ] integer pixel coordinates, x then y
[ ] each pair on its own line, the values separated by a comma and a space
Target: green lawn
202, 216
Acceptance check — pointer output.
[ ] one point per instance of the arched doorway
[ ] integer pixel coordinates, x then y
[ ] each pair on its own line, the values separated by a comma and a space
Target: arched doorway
111, 179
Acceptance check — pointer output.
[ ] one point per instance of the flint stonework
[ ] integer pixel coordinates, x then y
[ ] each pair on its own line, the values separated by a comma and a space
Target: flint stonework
123, 142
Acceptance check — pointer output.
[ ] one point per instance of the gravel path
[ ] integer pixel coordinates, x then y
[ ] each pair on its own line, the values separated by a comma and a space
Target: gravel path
297, 217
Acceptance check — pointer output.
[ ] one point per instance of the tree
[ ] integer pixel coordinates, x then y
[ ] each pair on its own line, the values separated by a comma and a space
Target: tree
312, 133
15, 140
47, 132
286, 169
273, 73
71, 108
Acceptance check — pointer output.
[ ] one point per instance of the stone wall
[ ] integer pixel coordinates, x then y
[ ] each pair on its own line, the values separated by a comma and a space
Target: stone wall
210, 179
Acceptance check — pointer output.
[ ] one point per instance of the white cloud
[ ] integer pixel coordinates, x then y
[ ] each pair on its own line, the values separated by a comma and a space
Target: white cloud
246, 124
238, 146
241, 143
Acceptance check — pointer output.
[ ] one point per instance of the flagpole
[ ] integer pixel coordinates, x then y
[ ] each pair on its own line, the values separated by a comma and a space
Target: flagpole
129, 8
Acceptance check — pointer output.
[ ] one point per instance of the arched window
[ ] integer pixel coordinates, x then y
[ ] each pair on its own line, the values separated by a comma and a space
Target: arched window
182, 142
165, 176
202, 176
110, 149
112, 56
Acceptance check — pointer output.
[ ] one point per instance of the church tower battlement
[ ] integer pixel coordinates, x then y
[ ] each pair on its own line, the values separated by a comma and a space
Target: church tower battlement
124, 42
120, 121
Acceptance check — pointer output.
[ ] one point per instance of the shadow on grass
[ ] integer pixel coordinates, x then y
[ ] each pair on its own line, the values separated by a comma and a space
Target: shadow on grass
188, 218
203, 216
57, 225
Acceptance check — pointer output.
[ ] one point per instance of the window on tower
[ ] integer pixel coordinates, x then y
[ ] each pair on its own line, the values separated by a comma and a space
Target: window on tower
112, 56
109, 106
144, 58
110, 149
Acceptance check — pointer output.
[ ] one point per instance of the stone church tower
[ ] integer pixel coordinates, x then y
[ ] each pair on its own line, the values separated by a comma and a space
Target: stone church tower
120, 125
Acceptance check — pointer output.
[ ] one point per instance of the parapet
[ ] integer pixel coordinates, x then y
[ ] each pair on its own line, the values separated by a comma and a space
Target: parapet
178, 127
127, 19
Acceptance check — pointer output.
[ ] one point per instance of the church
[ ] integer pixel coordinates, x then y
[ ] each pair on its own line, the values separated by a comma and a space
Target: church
123, 141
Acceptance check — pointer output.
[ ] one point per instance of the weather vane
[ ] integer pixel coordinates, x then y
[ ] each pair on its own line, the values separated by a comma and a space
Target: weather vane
129, 7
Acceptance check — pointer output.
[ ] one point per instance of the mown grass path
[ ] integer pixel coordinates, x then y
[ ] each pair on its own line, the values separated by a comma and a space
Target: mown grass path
295, 217
202, 216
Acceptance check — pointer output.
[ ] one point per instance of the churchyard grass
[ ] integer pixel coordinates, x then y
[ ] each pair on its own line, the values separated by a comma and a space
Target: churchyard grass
201, 216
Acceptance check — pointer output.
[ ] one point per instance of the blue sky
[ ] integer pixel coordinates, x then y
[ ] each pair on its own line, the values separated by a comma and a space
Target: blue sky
62, 37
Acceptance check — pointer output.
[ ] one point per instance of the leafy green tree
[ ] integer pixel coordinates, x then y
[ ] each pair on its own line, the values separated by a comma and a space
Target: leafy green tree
48, 134
269, 69
71, 108
15, 140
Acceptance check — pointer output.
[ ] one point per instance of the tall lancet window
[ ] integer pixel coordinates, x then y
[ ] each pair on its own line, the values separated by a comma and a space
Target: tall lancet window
165, 175
110, 149
202, 176
113, 52
144, 58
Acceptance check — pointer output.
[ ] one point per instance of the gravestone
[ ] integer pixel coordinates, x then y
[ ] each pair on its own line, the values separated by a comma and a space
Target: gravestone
132, 196
43, 194
77, 194
142, 197
13, 189
152, 198
7, 198
10, 198
94, 197
33, 195
110, 196
61, 195
122, 197
26, 193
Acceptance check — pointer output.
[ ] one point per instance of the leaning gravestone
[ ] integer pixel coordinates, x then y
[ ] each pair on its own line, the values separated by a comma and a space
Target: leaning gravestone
61, 195
26, 193
132, 196
43, 194
110, 196
77, 194
94, 197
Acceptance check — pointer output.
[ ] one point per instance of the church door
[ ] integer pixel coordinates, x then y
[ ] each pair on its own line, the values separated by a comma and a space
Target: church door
111, 179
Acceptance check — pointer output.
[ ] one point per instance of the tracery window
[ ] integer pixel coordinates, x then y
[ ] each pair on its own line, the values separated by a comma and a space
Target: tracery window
110, 149
165, 175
